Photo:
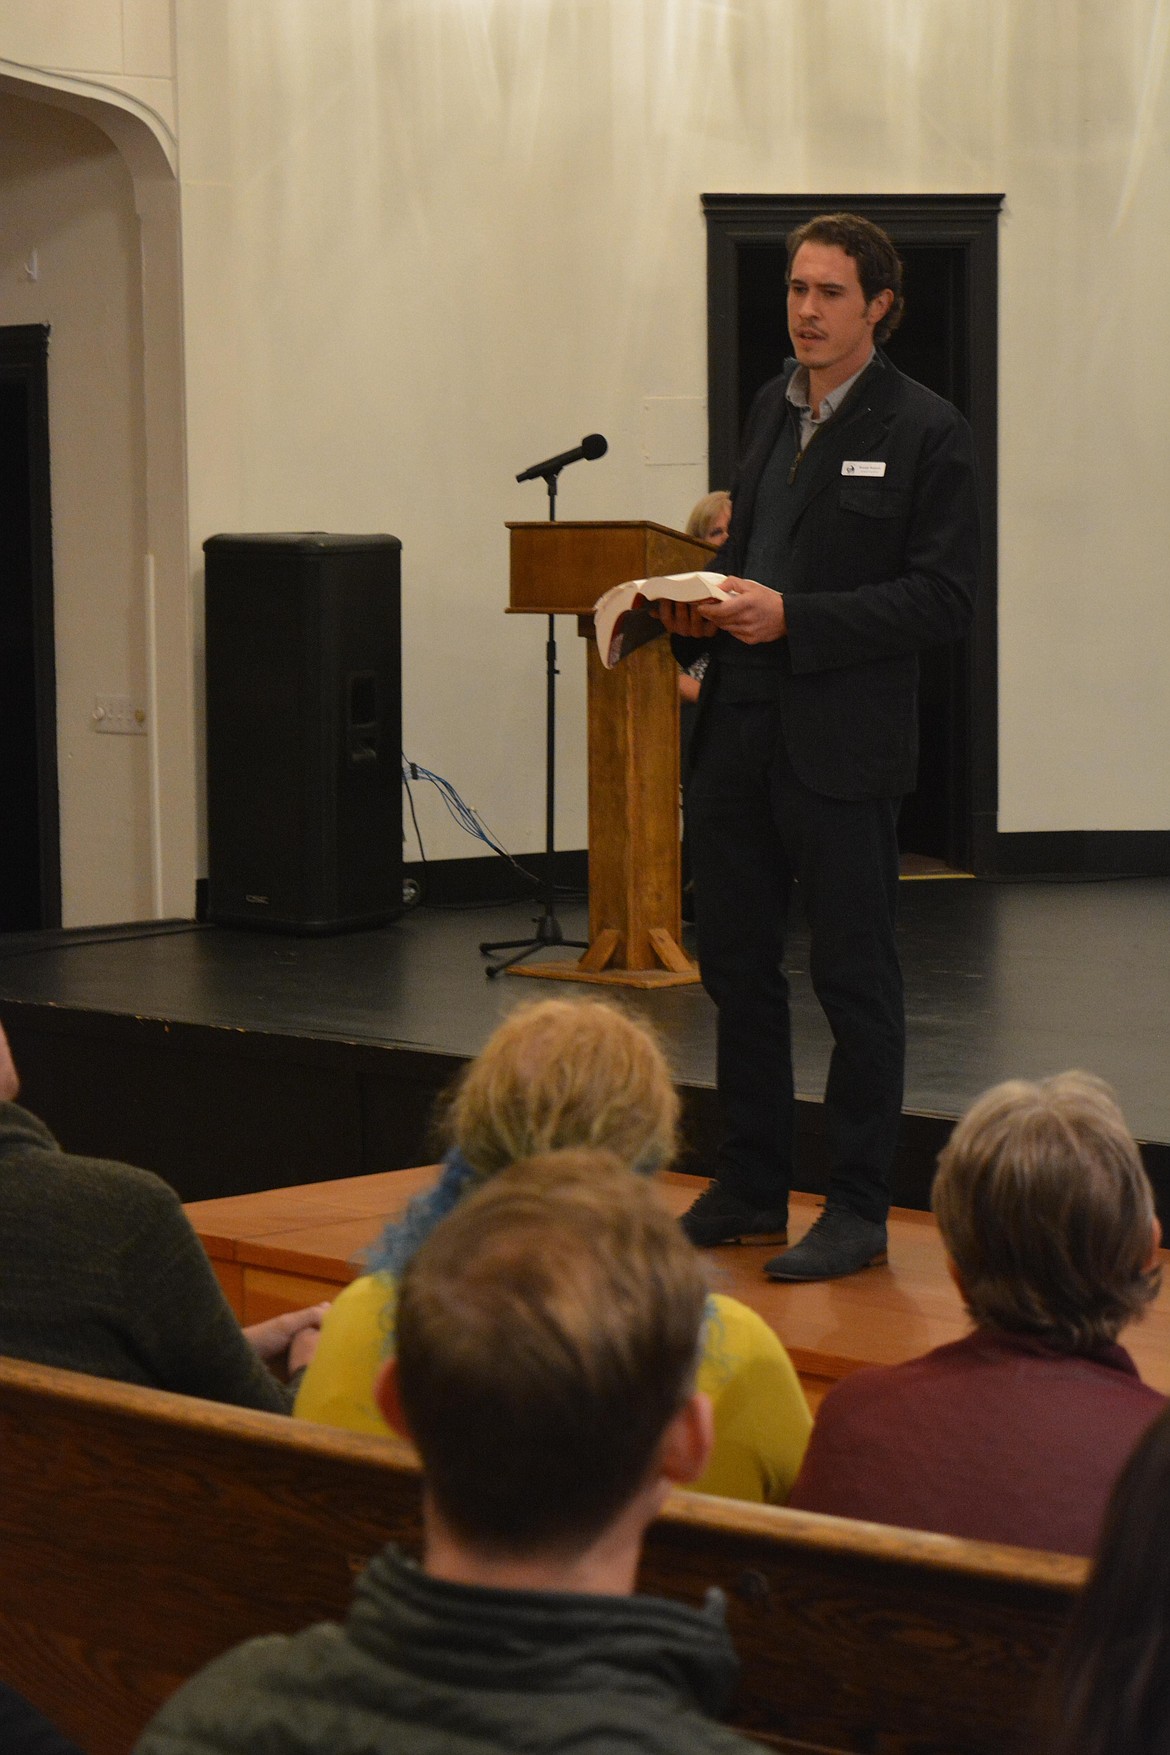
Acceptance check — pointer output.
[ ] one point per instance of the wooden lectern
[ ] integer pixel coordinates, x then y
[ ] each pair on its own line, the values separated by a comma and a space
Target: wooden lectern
635, 925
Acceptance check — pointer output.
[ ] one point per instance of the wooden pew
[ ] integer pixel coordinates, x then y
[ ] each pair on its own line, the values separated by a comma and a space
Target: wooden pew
141, 1533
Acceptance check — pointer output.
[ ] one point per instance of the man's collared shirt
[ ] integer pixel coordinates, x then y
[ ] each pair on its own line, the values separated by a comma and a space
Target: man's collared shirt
797, 394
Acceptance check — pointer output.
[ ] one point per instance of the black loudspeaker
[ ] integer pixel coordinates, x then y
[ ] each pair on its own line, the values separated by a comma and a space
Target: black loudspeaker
304, 731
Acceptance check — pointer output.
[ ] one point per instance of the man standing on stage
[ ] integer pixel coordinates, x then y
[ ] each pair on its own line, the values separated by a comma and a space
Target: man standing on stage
854, 544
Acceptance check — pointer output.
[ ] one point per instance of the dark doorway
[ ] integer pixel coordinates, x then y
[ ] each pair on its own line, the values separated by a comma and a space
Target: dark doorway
30, 869
948, 342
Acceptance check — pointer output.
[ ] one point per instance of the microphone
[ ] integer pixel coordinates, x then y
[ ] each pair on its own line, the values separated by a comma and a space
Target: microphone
591, 447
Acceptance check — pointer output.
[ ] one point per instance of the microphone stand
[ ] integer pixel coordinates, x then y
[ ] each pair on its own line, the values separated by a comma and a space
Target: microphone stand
548, 927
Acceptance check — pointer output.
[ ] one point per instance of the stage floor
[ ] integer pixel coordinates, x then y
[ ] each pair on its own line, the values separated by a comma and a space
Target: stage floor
1002, 980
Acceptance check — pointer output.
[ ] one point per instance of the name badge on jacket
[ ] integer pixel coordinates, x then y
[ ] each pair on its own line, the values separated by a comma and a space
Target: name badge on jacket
863, 467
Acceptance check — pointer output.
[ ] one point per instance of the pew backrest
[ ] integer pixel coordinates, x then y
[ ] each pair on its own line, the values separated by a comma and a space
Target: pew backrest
142, 1533
859, 1637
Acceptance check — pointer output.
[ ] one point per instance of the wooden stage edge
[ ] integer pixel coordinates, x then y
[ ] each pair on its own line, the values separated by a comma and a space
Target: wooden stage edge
291, 1105
287, 1247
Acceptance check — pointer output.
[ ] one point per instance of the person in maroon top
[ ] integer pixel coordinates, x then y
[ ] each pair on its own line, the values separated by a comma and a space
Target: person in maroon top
1018, 1432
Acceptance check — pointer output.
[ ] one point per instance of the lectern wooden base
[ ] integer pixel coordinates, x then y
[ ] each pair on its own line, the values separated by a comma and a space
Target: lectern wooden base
607, 977
635, 923
564, 971
634, 900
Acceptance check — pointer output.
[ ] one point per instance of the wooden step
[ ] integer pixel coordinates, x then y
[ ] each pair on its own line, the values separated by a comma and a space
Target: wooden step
287, 1247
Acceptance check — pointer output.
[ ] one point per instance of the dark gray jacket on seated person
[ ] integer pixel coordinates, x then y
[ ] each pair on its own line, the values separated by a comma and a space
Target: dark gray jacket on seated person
25, 1731
423, 1666
100, 1271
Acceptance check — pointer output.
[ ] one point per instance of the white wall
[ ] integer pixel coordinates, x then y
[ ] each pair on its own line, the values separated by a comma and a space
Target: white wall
426, 243
65, 195
431, 242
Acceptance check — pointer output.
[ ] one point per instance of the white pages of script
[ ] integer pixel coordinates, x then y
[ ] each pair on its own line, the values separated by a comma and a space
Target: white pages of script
622, 622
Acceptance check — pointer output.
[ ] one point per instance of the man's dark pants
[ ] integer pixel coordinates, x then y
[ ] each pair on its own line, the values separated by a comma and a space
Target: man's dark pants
754, 829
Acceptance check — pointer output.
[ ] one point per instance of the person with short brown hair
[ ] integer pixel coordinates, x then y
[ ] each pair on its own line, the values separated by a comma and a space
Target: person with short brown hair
1017, 1432
879, 265
853, 547
554, 1075
548, 1341
566, 1272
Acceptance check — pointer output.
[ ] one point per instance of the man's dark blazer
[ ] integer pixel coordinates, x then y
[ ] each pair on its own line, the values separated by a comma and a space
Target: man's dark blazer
873, 569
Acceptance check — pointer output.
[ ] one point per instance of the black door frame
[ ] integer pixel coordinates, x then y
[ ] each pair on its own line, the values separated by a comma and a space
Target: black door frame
24, 358
970, 224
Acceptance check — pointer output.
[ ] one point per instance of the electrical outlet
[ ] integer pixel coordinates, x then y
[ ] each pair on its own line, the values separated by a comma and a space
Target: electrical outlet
119, 713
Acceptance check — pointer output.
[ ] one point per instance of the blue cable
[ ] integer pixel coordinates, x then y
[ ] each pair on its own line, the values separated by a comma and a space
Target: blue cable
467, 819
460, 812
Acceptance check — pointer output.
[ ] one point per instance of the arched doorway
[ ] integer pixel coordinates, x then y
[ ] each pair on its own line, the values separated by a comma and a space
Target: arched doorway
156, 876
30, 872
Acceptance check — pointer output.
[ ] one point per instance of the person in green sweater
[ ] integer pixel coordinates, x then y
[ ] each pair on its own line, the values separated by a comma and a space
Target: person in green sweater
101, 1271
554, 1075
547, 1344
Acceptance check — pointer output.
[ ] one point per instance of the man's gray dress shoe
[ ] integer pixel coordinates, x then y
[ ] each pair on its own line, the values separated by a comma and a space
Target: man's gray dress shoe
718, 1216
840, 1242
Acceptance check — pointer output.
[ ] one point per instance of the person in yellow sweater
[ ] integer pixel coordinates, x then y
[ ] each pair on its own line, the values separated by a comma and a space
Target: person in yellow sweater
560, 1074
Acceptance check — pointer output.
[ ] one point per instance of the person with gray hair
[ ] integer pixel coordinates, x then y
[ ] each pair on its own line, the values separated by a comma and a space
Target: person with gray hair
1017, 1432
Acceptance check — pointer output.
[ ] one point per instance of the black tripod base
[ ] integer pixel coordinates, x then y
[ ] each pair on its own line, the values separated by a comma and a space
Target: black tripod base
548, 933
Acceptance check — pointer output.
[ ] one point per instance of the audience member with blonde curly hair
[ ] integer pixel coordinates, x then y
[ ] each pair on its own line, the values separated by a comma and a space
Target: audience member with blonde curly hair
556, 1075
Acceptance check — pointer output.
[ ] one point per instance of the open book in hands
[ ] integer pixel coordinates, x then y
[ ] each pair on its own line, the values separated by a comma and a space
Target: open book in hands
622, 621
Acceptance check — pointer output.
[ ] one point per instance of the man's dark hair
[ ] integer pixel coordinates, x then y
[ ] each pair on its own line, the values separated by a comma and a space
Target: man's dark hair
878, 263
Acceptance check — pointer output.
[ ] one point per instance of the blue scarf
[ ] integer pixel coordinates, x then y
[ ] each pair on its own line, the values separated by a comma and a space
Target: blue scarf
403, 1238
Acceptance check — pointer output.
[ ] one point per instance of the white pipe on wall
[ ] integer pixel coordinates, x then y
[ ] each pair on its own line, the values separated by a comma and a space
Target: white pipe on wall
152, 743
